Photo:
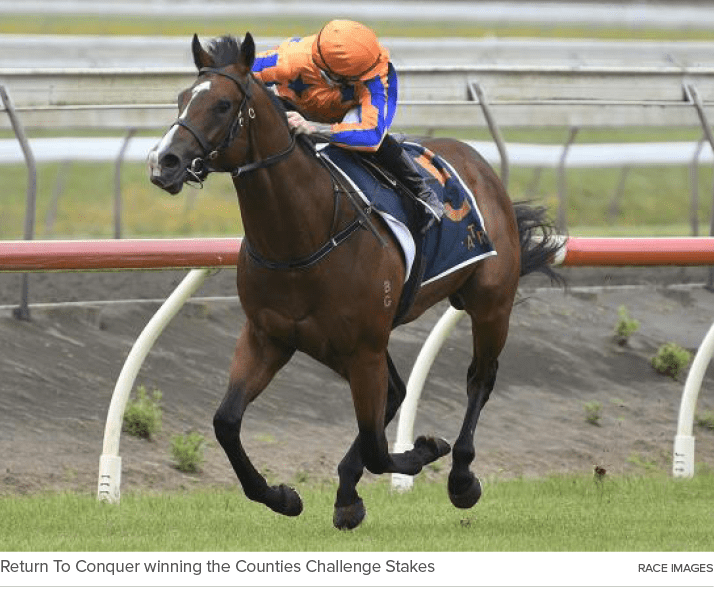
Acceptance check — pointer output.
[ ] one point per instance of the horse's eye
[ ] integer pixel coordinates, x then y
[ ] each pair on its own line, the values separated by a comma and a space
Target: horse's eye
223, 106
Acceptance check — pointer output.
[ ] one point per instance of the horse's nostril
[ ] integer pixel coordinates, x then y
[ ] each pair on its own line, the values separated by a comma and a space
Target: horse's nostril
170, 161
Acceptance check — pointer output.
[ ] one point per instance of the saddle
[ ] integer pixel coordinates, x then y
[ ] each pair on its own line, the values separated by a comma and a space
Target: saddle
458, 240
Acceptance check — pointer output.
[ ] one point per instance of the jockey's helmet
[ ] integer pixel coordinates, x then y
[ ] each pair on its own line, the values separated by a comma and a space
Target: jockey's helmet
346, 49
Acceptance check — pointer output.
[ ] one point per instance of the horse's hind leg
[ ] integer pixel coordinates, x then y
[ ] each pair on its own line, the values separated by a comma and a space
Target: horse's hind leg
255, 362
349, 509
489, 338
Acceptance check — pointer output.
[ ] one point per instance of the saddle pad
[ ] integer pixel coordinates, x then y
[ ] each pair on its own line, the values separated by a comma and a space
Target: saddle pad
459, 240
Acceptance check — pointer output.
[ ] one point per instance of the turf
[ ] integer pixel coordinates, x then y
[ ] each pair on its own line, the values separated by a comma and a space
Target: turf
559, 513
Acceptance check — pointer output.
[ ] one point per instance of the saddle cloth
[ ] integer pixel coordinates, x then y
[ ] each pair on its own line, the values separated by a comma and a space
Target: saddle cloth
459, 240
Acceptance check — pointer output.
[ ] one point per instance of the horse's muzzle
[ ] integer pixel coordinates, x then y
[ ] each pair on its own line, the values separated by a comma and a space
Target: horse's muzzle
166, 171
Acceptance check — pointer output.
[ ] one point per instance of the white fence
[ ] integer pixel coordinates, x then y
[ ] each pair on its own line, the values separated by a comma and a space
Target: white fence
597, 155
101, 51
434, 96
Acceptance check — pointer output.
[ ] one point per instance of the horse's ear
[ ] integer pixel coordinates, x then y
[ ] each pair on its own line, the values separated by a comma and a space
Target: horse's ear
201, 57
247, 48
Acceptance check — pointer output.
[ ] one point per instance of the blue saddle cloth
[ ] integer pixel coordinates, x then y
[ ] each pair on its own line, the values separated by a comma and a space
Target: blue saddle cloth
460, 239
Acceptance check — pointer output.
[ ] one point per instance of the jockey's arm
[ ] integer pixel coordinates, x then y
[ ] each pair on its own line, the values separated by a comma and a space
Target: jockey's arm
364, 127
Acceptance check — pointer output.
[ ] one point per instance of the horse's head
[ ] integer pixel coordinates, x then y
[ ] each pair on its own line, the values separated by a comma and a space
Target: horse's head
211, 117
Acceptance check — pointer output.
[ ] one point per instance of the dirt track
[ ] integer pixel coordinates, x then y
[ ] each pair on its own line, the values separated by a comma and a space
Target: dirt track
57, 374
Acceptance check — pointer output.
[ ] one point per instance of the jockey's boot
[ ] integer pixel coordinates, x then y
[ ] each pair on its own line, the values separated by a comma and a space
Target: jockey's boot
393, 157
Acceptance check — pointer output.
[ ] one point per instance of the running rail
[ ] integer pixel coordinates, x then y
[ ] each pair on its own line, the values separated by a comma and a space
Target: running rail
203, 254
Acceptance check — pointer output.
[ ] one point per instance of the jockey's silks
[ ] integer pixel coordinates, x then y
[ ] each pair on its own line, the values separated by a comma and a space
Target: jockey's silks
291, 72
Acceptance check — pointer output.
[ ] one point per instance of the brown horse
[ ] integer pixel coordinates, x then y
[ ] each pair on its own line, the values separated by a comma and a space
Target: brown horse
311, 278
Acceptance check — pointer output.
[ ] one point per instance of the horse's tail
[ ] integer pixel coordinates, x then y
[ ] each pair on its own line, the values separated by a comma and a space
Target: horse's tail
540, 241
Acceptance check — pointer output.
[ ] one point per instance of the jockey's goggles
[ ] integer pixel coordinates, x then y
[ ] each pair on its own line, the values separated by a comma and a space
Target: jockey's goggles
335, 79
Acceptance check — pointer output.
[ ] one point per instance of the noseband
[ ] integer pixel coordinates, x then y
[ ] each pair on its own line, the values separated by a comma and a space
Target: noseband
199, 169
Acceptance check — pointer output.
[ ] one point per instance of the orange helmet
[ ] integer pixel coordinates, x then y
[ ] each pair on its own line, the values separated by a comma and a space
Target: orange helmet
346, 48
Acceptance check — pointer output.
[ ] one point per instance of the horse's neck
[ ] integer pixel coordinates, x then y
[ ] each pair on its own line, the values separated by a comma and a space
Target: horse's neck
287, 208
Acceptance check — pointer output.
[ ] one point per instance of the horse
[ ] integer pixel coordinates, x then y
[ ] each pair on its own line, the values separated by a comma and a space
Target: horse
317, 273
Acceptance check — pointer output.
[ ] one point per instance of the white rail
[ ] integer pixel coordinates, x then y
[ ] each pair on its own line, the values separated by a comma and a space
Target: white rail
596, 155
434, 96
101, 51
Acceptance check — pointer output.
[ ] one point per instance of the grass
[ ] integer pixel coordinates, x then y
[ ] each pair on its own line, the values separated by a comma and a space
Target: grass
559, 513
85, 205
287, 26
656, 201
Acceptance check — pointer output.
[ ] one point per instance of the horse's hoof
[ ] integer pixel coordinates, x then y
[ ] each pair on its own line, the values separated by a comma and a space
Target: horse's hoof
349, 517
467, 498
431, 448
288, 501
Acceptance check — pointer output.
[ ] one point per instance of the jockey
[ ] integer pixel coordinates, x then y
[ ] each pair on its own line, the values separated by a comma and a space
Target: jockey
342, 80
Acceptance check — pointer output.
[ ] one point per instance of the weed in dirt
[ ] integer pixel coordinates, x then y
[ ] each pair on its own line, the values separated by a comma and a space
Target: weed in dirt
187, 451
625, 326
142, 417
593, 412
671, 359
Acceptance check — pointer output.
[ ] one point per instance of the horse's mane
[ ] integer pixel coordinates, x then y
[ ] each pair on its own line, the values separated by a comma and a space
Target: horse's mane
224, 50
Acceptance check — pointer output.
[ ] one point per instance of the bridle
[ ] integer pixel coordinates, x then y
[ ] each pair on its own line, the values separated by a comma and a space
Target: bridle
199, 169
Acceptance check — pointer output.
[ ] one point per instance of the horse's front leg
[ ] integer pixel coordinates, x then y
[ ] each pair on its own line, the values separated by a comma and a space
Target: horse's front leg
371, 389
349, 509
256, 360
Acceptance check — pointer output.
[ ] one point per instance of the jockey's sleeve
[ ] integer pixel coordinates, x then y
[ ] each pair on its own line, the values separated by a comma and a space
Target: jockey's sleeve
265, 67
377, 105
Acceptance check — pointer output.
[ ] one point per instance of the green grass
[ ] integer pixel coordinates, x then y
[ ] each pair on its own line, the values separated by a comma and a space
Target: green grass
655, 201
560, 513
85, 205
286, 26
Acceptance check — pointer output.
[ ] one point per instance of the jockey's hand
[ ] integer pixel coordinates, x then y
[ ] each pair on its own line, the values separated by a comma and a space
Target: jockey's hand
299, 124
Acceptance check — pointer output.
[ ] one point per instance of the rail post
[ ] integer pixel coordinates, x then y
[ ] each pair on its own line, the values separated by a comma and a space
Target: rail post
562, 188
683, 455
692, 95
23, 311
694, 187
117, 182
477, 92
110, 461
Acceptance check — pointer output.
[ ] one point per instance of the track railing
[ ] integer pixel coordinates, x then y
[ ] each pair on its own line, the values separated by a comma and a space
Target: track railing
203, 254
